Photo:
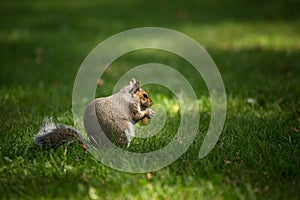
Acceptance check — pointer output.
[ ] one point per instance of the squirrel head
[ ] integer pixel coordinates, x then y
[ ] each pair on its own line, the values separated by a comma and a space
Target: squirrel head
146, 101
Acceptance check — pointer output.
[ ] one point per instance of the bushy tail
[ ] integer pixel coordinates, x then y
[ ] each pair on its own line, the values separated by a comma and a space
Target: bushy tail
53, 135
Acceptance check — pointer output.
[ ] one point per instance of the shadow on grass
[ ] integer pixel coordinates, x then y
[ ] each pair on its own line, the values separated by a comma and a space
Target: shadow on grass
106, 15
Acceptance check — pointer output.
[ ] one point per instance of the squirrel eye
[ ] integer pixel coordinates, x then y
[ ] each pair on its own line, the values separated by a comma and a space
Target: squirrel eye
145, 96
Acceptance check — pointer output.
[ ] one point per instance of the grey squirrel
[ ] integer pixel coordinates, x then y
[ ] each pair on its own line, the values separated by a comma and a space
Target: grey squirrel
115, 115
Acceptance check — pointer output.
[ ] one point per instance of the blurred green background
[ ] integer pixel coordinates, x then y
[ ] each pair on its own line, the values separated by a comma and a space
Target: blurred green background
256, 46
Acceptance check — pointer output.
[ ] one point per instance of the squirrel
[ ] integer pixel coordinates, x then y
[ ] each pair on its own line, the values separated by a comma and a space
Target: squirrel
115, 116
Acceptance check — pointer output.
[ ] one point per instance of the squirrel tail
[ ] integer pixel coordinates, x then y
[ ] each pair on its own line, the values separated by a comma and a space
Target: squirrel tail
53, 135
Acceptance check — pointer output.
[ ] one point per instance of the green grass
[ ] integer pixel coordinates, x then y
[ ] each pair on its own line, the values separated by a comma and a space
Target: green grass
256, 47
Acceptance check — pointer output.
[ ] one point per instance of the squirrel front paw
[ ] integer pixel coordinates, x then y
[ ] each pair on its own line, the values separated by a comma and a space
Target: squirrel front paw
151, 113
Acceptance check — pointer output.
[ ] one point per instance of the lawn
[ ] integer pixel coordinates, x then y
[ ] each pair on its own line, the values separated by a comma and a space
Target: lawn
256, 46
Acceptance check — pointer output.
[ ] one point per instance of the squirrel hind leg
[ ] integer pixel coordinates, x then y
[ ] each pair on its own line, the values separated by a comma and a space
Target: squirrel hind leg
129, 133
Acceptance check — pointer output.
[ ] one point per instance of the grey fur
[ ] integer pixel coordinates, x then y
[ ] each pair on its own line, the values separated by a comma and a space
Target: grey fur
116, 115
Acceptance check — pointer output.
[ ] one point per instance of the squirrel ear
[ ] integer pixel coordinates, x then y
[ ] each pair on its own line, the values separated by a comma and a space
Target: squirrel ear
136, 87
132, 81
